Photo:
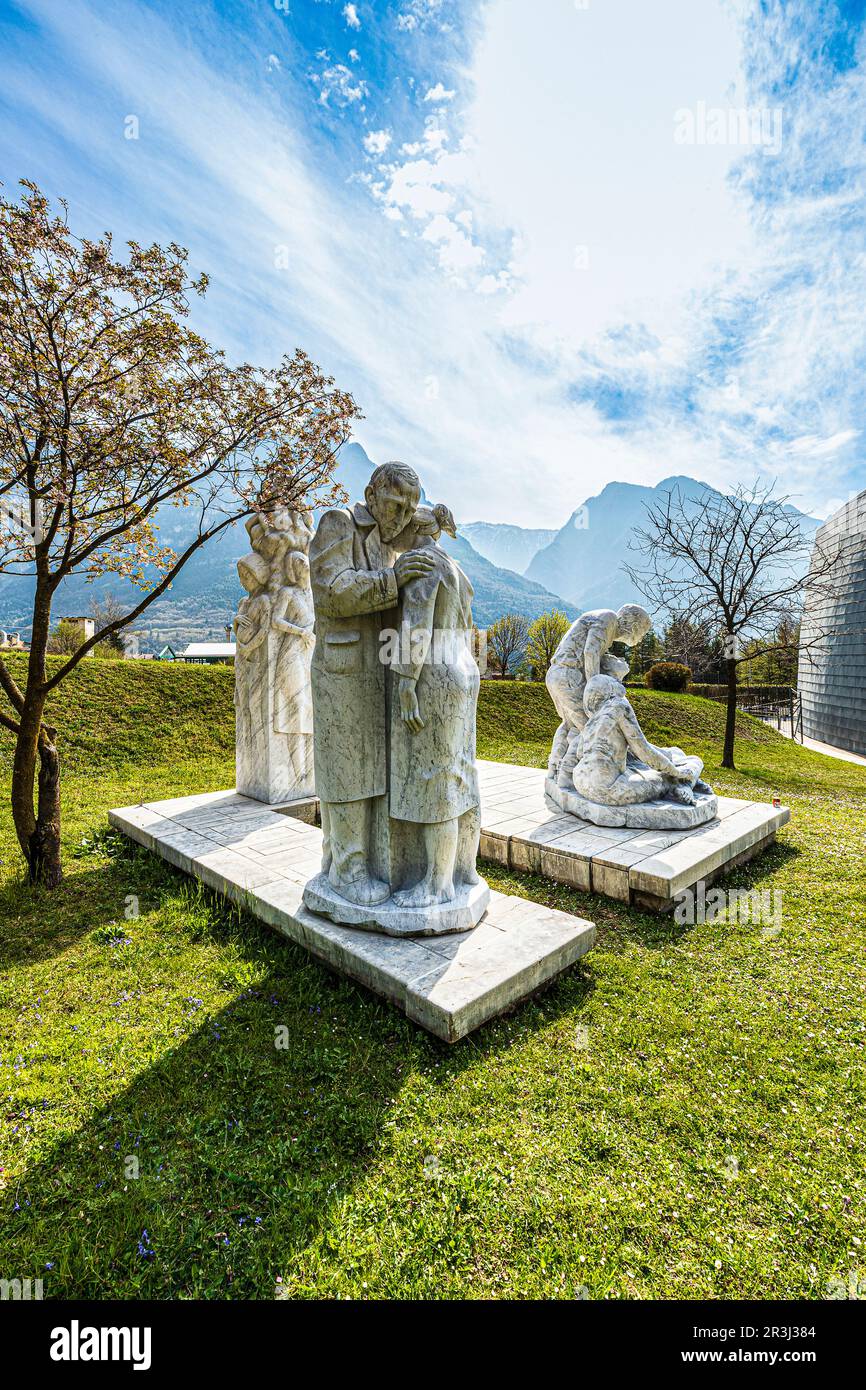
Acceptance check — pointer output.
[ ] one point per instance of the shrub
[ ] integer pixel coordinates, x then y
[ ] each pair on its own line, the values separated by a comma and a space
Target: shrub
668, 675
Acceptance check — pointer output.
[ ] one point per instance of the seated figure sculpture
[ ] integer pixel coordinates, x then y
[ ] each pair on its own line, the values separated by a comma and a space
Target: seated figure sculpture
611, 732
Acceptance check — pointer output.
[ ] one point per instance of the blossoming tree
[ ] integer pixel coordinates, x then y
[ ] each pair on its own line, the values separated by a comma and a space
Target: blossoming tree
112, 412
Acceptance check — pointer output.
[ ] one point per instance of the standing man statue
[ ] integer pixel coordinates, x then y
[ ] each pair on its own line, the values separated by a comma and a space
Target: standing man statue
583, 653
356, 574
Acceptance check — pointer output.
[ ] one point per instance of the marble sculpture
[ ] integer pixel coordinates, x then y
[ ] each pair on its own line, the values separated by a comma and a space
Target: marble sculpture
274, 643
394, 687
602, 768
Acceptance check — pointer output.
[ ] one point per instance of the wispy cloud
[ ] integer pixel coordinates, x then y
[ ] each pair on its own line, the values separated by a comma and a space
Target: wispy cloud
590, 299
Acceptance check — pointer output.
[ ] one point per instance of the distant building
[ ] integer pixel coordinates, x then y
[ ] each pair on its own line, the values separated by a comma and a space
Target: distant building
832, 675
166, 653
86, 626
11, 642
210, 653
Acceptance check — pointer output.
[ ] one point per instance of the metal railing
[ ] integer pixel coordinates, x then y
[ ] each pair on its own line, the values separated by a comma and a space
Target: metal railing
782, 707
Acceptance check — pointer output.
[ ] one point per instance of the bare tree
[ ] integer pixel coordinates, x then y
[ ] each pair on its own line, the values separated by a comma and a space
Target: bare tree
506, 639
739, 565
112, 412
109, 612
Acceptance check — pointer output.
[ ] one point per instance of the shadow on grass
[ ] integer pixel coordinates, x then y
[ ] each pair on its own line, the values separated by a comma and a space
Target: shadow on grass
234, 1150
38, 924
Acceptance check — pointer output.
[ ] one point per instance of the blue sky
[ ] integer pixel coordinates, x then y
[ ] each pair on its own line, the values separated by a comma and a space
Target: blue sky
546, 245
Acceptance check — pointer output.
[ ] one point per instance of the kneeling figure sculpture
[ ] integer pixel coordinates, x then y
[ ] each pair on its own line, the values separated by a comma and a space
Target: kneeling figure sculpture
602, 768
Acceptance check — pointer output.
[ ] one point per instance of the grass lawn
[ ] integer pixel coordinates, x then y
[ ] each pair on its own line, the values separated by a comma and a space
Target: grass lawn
680, 1116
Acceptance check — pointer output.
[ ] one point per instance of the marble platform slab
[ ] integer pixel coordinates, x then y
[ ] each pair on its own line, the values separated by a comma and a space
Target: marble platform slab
262, 858
647, 868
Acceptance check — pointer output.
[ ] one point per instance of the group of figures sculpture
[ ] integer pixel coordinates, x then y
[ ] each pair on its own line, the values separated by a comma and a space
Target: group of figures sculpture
274, 638
356, 675
602, 768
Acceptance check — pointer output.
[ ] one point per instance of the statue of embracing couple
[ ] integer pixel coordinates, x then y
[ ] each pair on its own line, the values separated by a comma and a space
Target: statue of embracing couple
395, 687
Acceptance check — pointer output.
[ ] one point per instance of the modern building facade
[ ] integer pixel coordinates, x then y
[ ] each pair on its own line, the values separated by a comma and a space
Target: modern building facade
832, 674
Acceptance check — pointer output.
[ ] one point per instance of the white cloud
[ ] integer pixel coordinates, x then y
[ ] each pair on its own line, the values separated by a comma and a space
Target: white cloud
457, 251
417, 14
337, 83
354, 55
438, 93
274, 63
377, 141
350, 14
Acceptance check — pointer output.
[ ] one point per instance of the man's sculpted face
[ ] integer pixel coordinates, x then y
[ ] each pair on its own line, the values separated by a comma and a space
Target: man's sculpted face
392, 506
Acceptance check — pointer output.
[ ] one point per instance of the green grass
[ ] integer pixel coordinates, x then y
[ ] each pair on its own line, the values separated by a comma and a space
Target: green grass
680, 1116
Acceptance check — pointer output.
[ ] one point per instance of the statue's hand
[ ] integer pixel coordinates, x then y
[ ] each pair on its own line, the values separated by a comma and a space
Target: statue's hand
410, 711
411, 565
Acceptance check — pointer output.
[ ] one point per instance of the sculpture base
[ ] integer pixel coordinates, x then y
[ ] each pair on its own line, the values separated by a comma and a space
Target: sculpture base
461, 913
660, 814
262, 861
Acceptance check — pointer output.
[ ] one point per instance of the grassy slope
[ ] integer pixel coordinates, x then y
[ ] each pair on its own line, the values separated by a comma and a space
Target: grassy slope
680, 1116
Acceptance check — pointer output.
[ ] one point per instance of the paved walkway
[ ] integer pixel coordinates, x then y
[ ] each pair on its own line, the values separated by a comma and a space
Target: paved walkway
828, 748
833, 752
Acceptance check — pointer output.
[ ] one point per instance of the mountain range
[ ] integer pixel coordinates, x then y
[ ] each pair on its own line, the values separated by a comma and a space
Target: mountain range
585, 560
512, 568
203, 599
509, 547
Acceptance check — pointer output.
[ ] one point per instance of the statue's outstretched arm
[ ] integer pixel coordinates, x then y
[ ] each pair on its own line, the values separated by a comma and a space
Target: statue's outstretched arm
642, 748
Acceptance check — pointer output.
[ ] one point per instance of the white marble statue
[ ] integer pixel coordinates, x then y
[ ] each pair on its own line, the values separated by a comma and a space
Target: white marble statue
274, 642
394, 694
585, 652
433, 782
609, 735
602, 768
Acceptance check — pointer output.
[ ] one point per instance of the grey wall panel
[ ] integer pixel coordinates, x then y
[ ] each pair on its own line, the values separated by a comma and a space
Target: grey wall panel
832, 674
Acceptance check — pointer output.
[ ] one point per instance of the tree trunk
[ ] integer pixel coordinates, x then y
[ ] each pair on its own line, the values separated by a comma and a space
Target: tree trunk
37, 825
36, 806
731, 714
44, 856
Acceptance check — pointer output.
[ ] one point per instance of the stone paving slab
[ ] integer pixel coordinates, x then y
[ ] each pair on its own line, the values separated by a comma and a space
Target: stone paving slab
523, 830
449, 985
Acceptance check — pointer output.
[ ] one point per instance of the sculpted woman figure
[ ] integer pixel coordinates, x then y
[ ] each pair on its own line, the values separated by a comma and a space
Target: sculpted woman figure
434, 800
